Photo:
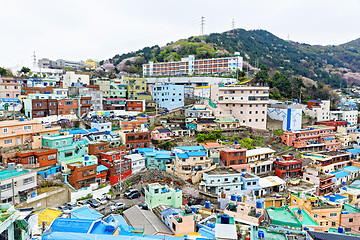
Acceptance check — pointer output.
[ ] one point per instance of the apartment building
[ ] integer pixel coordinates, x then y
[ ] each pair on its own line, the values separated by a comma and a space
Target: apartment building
137, 162
71, 78
33, 90
96, 97
312, 139
259, 154
288, 166
117, 90
114, 104
133, 123
232, 155
136, 88
83, 171
168, 96
156, 194
221, 181
17, 132
17, 184
135, 105
198, 111
104, 85
117, 165
330, 161
156, 158
10, 87
191, 66
246, 103
66, 146
135, 139
190, 163
318, 110
323, 181
351, 116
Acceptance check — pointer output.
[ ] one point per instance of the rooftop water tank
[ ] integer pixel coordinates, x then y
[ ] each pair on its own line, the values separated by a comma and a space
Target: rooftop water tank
340, 230
87, 158
261, 234
207, 204
299, 211
239, 198
258, 204
233, 197
225, 219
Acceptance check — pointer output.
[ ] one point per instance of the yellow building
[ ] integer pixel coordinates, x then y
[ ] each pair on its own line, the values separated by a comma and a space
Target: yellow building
325, 214
92, 64
16, 132
137, 88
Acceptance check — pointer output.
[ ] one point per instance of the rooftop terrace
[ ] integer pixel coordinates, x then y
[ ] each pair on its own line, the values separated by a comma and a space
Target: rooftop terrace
5, 174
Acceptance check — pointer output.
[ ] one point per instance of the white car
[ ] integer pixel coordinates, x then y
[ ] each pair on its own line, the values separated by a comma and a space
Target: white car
102, 201
117, 206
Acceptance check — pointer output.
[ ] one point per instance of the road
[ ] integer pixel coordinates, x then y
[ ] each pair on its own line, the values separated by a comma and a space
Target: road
105, 209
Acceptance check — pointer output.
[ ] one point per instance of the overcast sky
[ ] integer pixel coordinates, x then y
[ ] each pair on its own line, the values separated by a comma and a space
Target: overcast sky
78, 30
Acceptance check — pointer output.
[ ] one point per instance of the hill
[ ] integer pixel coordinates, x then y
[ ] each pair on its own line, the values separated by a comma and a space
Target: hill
332, 65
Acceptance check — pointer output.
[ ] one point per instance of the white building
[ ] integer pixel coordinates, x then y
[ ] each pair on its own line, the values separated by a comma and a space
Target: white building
16, 180
137, 162
248, 104
71, 77
349, 116
319, 110
96, 98
259, 154
290, 115
101, 126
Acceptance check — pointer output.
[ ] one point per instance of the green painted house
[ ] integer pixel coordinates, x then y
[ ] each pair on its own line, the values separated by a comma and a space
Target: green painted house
157, 194
66, 146
117, 90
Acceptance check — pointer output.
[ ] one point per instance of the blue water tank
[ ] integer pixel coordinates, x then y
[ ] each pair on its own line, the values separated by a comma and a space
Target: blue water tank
45, 83
87, 158
143, 115
343, 183
95, 121
306, 229
107, 132
299, 211
194, 209
136, 151
332, 198
84, 85
175, 213
110, 228
258, 204
233, 197
207, 204
340, 230
261, 234
319, 100
291, 154
344, 188
236, 142
239, 198
47, 92
212, 225
21, 119
225, 219
296, 101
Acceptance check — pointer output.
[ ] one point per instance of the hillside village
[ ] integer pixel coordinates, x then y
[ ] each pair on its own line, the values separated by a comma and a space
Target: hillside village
189, 149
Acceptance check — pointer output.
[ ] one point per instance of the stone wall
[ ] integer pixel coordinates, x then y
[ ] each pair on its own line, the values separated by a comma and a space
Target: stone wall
48, 199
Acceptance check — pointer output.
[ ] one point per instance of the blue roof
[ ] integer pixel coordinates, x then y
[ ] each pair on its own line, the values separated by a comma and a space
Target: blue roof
191, 154
100, 168
337, 197
143, 150
10, 100
353, 151
93, 130
85, 213
355, 184
350, 169
191, 148
340, 174
328, 138
78, 131
119, 221
71, 225
82, 236
169, 211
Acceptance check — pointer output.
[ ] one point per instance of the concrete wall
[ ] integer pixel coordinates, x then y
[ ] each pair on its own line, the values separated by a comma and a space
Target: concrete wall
95, 193
290, 118
49, 199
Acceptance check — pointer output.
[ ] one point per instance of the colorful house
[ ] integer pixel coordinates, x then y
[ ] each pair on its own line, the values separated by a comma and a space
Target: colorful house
156, 159
117, 165
156, 194
288, 166
161, 134
233, 155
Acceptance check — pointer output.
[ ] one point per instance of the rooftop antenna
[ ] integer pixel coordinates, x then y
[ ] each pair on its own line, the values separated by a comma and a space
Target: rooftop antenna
288, 37
233, 25
202, 23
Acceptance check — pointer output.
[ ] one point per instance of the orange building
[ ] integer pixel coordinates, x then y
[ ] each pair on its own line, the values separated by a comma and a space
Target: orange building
233, 155
313, 139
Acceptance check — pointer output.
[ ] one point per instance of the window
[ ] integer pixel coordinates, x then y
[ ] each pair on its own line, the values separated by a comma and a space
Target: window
57, 143
52, 104
28, 127
5, 130
8, 141
6, 186
351, 220
333, 214
28, 180
346, 229
315, 215
52, 157
64, 142
68, 154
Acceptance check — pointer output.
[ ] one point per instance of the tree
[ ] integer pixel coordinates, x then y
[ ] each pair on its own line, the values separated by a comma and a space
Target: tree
25, 70
2, 71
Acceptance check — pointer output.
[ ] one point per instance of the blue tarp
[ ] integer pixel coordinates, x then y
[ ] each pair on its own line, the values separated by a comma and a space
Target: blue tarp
100, 168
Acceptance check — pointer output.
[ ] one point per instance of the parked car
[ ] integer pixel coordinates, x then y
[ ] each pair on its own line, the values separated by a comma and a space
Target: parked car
102, 200
130, 192
117, 206
71, 205
143, 190
134, 195
106, 196
93, 203
64, 209
82, 202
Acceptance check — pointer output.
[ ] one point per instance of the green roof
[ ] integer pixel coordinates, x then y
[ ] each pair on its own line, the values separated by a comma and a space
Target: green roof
80, 159
350, 209
269, 234
283, 217
224, 120
307, 220
5, 174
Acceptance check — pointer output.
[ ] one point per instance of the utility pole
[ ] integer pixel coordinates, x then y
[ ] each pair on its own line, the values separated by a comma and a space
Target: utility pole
34, 60
233, 25
202, 24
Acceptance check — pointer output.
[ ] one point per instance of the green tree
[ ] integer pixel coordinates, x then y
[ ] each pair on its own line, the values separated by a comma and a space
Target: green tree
2, 71
25, 70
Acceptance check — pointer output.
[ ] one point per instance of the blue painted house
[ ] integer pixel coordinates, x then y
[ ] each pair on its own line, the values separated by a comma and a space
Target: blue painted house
168, 96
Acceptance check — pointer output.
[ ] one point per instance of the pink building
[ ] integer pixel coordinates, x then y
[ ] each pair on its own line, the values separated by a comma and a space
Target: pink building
160, 133
183, 223
313, 139
246, 103
10, 88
